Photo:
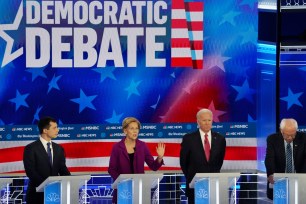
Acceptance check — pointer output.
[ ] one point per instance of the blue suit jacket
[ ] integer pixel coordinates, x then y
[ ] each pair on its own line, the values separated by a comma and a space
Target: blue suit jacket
37, 166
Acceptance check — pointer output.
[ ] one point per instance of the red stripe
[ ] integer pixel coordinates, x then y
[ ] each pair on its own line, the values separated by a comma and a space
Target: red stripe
195, 26
180, 42
179, 23
197, 64
194, 6
11, 154
241, 153
178, 4
184, 42
196, 45
88, 149
89, 169
181, 62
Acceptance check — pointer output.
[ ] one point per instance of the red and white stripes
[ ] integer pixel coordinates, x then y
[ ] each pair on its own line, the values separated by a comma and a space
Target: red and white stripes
187, 34
93, 155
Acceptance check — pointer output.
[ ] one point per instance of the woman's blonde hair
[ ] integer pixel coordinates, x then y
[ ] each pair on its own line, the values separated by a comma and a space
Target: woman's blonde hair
129, 120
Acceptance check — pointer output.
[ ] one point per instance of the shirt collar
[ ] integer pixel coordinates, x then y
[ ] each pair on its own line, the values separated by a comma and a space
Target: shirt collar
44, 142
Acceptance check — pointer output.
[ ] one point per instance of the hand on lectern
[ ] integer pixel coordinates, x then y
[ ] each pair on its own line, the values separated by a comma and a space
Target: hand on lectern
271, 179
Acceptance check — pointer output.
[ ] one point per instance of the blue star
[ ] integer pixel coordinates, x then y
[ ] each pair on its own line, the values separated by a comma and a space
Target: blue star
1, 122
154, 105
173, 75
19, 100
106, 73
303, 69
132, 89
60, 122
53, 83
250, 119
249, 36
244, 91
9, 56
84, 101
229, 17
36, 72
115, 118
36, 115
292, 99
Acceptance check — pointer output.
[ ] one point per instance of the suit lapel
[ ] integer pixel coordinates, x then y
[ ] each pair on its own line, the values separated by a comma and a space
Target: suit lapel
296, 143
282, 149
123, 149
42, 150
212, 144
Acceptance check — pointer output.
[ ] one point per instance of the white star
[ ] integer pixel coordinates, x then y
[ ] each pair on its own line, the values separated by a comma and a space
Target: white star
8, 54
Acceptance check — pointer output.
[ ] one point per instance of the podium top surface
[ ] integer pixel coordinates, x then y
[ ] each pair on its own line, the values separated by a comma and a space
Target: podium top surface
290, 175
5, 181
199, 176
71, 178
124, 177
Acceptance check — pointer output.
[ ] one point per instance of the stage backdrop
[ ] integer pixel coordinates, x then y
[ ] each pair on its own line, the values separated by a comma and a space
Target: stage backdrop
90, 64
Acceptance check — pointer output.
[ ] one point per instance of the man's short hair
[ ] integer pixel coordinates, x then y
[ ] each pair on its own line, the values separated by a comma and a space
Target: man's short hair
44, 123
204, 110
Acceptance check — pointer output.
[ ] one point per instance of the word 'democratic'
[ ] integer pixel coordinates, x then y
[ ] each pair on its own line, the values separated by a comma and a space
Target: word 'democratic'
94, 33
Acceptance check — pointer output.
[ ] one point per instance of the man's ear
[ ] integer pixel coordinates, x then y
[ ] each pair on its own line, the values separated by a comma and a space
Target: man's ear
44, 130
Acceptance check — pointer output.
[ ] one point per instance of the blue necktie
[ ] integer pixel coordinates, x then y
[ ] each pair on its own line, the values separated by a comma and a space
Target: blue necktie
289, 168
49, 152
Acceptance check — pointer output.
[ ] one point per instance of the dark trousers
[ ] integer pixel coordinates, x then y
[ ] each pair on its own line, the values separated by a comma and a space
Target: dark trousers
35, 198
190, 195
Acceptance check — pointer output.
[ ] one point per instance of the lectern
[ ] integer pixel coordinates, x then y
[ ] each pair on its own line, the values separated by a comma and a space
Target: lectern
213, 187
62, 189
136, 188
289, 188
4, 182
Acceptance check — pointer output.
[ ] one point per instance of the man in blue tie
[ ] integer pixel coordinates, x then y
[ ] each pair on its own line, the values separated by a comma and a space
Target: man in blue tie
43, 158
286, 152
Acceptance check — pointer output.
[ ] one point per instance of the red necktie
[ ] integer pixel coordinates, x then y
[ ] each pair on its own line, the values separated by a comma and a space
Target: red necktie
206, 147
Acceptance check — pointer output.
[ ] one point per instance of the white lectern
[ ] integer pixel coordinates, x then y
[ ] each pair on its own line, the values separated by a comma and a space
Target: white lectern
69, 187
4, 182
295, 191
141, 187
218, 184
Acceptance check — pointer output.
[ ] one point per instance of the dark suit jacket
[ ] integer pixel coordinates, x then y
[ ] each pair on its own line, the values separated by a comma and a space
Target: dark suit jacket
275, 160
192, 156
37, 166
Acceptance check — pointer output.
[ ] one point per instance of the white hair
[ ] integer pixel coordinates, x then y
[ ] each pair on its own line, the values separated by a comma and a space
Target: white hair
204, 110
286, 121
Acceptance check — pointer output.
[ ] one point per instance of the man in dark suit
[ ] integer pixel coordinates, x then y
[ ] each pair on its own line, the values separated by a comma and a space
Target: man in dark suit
38, 164
202, 151
277, 149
